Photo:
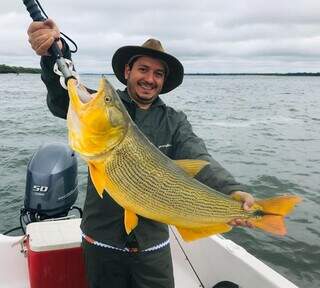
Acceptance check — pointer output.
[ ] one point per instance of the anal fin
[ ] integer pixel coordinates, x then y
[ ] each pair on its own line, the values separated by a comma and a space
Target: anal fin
188, 234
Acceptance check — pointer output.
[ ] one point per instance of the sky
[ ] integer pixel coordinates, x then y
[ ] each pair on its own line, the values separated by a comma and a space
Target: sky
217, 36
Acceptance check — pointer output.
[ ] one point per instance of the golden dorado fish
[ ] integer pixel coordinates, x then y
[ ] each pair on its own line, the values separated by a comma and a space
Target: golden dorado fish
125, 164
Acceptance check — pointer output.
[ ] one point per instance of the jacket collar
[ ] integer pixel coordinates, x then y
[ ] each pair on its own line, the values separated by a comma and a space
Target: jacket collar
126, 98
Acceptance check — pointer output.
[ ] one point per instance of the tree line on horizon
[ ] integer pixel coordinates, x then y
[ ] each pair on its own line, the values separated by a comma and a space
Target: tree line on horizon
18, 69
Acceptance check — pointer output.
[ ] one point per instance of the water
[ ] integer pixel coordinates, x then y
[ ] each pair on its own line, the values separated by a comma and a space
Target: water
264, 130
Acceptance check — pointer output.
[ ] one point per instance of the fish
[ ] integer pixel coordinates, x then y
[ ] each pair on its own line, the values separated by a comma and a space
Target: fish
145, 182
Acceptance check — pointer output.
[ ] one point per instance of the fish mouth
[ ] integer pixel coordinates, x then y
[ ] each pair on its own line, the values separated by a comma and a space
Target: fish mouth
84, 95
80, 95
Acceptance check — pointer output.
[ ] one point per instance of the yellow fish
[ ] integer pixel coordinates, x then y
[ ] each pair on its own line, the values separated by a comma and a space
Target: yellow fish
125, 164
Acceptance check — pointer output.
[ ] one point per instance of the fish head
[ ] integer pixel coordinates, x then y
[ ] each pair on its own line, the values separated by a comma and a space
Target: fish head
97, 122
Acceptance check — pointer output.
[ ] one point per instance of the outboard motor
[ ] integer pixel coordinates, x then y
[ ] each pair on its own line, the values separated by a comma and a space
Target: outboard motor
52, 183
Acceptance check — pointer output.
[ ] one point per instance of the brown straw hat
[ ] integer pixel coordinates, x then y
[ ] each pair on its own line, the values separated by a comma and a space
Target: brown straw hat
152, 48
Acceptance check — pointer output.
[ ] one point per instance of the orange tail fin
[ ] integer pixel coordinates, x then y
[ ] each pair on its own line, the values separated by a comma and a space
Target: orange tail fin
271, 223
281, 205
275, 209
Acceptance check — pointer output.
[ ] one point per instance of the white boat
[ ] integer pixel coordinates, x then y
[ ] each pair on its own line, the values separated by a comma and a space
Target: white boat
208, 263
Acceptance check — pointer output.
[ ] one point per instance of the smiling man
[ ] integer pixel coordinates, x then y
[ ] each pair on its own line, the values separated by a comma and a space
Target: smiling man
145, 77
147, 71
141, 259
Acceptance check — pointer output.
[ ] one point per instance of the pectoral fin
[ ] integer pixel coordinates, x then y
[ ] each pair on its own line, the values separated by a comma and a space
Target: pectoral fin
194, 234
130, 221
98, 177
192, 167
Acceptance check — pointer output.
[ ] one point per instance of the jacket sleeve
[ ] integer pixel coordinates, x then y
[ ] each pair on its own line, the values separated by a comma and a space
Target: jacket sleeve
57, 96
187, 145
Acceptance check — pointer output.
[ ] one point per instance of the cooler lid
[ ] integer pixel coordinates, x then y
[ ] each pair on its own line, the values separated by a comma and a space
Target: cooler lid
54, 235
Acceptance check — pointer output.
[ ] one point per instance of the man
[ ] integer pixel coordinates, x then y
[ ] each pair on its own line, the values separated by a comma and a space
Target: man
142, 258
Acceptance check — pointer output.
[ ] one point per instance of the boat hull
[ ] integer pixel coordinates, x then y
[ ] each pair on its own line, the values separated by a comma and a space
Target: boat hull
202, 263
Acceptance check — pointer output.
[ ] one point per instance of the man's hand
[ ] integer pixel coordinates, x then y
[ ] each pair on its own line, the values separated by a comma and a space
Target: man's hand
247, 200
42, 35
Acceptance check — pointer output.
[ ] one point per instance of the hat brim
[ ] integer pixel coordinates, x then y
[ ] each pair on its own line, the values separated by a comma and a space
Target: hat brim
122, 56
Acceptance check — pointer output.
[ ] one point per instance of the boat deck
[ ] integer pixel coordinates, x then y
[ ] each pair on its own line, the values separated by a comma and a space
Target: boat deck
202, 263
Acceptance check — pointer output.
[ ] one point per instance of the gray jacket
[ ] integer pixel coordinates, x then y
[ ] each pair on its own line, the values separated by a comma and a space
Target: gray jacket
167, 129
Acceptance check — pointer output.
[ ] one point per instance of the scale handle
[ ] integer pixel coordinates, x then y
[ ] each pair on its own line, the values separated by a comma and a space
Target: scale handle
54, 50
33, 10
36, 15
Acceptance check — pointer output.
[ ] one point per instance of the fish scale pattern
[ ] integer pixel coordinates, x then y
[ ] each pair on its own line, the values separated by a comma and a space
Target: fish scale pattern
147, 182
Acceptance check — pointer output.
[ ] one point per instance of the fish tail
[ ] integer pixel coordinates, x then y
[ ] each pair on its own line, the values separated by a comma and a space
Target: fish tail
271, 223
274, 210
281, 205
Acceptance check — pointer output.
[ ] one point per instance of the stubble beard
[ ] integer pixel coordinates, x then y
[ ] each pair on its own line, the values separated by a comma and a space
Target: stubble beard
137, 98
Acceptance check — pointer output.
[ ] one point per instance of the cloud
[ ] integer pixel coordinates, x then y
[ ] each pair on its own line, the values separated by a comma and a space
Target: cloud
206, 35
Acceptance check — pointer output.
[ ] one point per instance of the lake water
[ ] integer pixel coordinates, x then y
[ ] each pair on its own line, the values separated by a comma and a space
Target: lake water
263, 129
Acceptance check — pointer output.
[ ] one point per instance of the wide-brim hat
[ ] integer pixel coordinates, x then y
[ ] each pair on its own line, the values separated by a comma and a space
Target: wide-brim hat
152, 48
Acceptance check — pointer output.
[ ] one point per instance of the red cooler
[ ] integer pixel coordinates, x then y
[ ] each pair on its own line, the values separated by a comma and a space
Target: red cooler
55, 256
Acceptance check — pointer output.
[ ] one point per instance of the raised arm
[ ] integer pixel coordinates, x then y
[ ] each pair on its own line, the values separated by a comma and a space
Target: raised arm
41, 36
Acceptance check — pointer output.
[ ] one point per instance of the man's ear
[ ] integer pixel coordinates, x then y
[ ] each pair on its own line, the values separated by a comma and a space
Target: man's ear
126, 71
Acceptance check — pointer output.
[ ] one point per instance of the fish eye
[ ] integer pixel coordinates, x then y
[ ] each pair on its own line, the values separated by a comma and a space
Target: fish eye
107, 99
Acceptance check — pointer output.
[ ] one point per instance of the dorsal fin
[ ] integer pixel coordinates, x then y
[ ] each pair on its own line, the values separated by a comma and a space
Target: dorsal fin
191, 166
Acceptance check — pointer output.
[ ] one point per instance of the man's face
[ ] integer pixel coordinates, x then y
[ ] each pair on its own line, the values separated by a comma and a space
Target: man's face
145, 80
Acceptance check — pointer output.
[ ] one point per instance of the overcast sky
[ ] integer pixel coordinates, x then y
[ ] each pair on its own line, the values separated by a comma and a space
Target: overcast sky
206, 35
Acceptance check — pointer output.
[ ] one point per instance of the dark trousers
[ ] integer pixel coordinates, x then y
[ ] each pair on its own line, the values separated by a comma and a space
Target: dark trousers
116, 269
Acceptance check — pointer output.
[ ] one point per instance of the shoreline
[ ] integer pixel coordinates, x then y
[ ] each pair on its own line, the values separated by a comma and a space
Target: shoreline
6, 69
314, 74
